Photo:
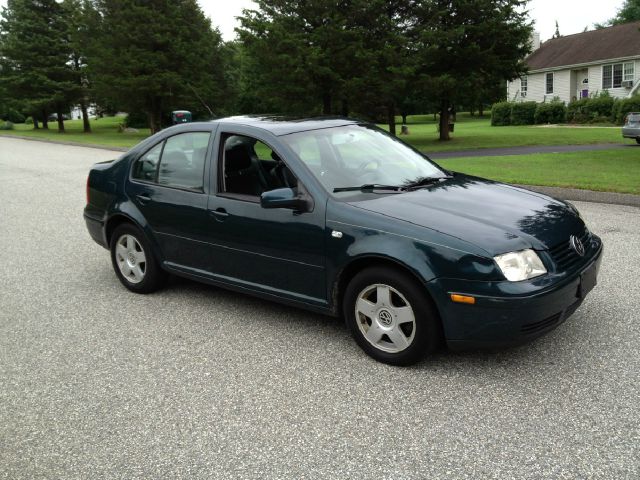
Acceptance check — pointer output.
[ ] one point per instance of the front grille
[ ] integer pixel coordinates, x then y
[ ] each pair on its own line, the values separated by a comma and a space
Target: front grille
565, 257
529, 328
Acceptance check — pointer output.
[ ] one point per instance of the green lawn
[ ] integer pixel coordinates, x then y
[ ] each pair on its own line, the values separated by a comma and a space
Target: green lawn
470, 133
603, 170
105, 133
475, 133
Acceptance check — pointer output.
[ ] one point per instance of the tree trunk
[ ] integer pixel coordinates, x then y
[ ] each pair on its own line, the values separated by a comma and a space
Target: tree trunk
45, 120
326, 104
481, 110
391, 118
60, 120
85, 117
404, 118
345, 108
155, 116
36, 125
444, 120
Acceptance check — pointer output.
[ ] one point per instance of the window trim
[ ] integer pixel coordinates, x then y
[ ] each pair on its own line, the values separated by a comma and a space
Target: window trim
524, 86
155, 183
546, 83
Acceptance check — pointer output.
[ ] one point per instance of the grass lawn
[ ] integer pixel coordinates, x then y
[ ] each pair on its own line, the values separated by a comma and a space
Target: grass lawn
105, 133
603, 170
474, 133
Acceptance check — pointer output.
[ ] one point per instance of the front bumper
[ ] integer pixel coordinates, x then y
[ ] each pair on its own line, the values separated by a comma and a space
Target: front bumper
510, 313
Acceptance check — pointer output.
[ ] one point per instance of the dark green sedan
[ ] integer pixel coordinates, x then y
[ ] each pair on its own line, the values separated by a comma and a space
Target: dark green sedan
337, 216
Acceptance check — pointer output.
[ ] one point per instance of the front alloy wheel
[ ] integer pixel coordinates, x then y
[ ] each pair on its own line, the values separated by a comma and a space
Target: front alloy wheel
391, 316
385, 318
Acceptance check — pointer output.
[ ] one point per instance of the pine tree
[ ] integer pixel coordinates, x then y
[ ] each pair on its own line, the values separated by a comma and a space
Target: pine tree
461, 44
150, 56
34, 57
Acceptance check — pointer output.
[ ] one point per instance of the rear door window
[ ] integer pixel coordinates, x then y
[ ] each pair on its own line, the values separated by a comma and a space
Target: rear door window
146, 166
182, 162
177, 162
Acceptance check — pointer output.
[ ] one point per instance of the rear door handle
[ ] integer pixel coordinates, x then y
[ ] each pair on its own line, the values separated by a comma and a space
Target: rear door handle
219, 214
143, 198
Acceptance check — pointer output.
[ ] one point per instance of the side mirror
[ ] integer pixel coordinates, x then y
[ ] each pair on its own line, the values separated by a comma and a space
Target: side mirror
284, 198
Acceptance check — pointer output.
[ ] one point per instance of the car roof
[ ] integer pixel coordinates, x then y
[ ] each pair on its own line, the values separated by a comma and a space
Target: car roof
281, 125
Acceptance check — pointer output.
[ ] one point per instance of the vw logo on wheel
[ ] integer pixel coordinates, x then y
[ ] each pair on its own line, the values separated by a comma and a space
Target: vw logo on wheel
576, 244
385, 318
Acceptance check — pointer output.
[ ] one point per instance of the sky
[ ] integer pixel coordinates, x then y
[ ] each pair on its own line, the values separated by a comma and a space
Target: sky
572, 15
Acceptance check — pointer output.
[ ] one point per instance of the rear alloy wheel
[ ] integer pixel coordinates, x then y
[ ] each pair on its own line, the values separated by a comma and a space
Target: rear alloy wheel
134, 262
391, 317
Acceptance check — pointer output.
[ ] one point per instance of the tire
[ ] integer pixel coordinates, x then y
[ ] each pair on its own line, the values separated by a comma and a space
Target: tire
133, 260
382, 325
638, 140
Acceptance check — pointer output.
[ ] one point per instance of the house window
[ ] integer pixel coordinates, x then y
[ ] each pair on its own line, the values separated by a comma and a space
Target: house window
523, 86
613, 75
549, 82
629, 72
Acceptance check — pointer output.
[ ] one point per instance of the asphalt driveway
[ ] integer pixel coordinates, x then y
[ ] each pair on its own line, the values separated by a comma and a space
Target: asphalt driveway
198, 382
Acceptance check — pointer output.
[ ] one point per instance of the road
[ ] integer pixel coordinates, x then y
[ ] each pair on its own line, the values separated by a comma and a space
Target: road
198, 382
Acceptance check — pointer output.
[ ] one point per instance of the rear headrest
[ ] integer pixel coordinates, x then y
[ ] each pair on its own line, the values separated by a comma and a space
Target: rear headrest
175, 157
237, 158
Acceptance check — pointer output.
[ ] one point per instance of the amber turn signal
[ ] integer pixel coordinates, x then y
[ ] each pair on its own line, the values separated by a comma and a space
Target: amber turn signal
463, 299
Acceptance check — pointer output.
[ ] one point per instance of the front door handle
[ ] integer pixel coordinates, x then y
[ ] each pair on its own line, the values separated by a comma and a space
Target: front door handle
219, 214
143, 198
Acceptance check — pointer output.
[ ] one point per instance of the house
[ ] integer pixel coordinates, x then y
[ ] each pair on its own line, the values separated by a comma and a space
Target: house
582, 65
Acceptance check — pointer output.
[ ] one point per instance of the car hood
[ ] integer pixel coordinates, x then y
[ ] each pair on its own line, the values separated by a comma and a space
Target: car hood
496, 217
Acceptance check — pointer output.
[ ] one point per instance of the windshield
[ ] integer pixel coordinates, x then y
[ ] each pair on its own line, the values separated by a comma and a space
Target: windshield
356, 155
633, 118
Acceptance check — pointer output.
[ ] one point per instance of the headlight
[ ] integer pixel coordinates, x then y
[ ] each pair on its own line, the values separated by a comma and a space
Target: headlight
518, 266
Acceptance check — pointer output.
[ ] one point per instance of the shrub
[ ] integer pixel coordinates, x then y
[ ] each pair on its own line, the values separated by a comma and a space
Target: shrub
13, 116
598, 109
601, 106
523, 113
552, 112
6, 125
501, 114
623, 107
136, 120
577, 111
28, 120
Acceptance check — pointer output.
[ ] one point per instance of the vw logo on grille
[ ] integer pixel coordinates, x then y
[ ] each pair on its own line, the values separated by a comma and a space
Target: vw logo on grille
385, 318
576, 244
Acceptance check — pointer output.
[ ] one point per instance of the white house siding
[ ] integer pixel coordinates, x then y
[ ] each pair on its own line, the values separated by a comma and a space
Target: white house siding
564, 87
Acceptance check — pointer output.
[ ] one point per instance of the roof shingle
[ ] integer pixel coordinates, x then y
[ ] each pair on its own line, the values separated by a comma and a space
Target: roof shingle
604, 44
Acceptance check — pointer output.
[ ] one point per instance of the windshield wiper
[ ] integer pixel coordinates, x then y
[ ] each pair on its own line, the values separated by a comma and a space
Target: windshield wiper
369, 187
425, 181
